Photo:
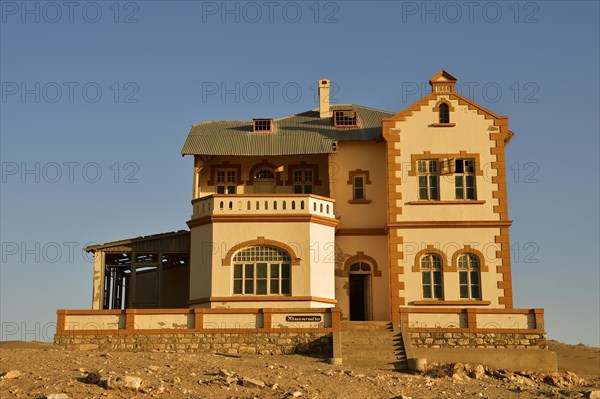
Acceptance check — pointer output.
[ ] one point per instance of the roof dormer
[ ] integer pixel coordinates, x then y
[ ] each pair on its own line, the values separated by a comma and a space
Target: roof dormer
262, 125
442, 82
345, 118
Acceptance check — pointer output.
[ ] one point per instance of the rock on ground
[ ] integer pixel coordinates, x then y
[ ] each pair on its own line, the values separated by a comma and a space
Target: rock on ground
9, 375
127, 382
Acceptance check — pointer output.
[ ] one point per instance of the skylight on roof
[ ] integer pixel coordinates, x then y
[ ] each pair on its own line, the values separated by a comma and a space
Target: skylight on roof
345, 118
262, 125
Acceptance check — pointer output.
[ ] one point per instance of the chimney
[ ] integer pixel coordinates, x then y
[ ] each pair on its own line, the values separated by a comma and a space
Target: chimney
324, 86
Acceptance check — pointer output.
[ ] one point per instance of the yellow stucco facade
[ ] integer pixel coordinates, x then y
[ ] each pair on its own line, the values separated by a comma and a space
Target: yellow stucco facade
346, 207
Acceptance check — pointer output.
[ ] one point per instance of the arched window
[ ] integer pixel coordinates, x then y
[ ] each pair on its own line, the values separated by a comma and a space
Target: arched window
469, 276
264, 181
360, 267
262, 270
444, 112
264, 174
431, 271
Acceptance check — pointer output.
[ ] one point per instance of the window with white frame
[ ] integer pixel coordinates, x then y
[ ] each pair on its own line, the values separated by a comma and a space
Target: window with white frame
429, 179
303, 181
261, 270
432, 277
469, 276
464, 179
226, 181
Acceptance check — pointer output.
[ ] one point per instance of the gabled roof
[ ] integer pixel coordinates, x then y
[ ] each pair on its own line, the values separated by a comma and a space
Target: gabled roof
304, 133
442, 76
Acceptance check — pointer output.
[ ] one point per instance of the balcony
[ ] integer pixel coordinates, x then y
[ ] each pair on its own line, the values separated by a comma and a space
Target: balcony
260, 205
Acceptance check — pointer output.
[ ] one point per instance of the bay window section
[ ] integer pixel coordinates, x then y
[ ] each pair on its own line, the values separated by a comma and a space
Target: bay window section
261, 270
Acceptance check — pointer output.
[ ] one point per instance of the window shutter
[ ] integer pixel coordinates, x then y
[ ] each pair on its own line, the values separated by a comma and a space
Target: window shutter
448, 166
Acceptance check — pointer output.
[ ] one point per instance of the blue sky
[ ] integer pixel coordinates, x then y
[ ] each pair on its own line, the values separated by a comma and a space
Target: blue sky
97, 99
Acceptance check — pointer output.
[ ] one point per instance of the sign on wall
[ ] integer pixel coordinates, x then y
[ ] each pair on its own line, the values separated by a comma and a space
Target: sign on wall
295, 319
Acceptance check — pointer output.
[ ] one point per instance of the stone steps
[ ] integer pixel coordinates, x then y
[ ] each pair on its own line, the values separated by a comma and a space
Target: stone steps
366, 325
372, 344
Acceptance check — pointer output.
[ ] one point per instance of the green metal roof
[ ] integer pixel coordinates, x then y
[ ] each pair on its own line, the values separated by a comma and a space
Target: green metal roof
304, 133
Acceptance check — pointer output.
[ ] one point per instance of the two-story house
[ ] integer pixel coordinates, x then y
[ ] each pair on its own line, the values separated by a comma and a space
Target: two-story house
341, 206
305, 224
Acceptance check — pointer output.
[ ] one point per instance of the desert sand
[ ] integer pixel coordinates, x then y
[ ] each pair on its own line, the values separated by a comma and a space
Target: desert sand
40, 370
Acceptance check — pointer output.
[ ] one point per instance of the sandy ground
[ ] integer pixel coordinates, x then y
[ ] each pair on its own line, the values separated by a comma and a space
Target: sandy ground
36, 370
577, 358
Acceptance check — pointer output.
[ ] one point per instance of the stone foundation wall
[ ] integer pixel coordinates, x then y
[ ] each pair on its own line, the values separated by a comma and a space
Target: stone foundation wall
435, 339
274, 343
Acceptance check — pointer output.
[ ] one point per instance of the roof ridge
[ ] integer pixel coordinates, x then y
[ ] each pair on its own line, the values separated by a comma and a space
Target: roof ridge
217, 121
365, 107
292, 115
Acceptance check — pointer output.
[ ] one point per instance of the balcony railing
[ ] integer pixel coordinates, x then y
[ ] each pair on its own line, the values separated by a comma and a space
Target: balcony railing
261, 204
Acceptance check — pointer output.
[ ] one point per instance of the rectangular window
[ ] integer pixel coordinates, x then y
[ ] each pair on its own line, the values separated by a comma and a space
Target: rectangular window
469, 284
432, 285
429, 179
262, 125
464, 179
475, 285
344, 118
237, 279
463, 279
226, 181
249, 279
303, 181
358, 187
274, 280
261, 278
285, 279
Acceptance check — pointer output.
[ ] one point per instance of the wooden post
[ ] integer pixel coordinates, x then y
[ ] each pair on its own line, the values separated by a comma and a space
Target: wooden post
159, 281
132, 281
99, 276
